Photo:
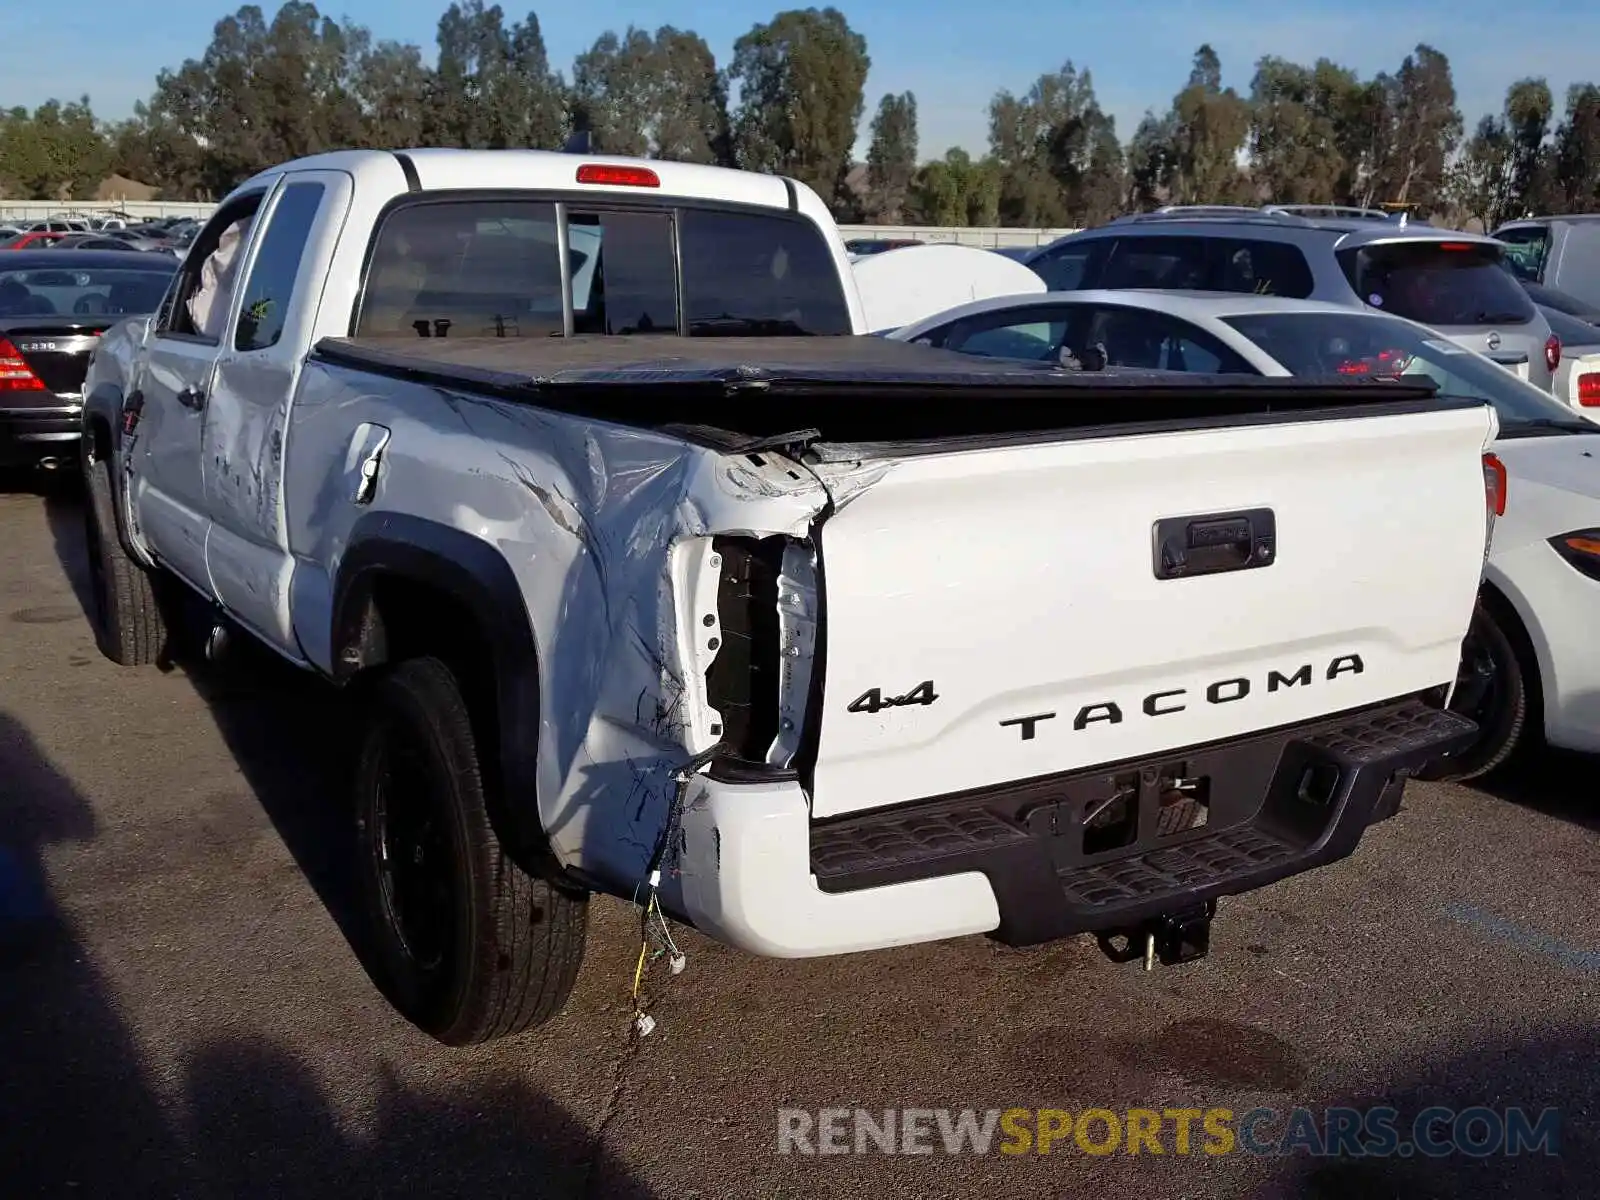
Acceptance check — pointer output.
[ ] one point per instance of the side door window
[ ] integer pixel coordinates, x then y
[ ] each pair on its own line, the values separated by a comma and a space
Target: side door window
1033, 334
1264, 268
1152, 341
1528, 247
196, 306
1066, 269
269, 289
1164, 263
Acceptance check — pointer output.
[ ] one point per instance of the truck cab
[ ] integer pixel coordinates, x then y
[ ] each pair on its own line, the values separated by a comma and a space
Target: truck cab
213, 368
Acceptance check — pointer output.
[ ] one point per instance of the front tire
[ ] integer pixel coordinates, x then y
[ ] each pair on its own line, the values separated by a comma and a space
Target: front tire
129, 626
468, 946
1495, 689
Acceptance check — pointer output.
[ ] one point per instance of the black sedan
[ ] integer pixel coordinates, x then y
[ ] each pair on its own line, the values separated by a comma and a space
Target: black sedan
1562, 302
53, 309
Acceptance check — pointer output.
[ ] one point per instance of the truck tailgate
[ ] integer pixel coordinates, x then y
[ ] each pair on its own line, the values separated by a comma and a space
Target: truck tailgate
998, 614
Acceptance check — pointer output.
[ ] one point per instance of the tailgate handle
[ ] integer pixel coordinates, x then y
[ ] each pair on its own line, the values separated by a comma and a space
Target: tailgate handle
1211, 543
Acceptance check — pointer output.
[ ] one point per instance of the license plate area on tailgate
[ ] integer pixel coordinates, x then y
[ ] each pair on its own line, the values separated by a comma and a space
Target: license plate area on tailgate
1277, 803
1095, 819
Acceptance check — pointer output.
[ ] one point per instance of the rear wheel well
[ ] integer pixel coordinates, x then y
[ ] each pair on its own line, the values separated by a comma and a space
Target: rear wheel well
397, 619
98, 438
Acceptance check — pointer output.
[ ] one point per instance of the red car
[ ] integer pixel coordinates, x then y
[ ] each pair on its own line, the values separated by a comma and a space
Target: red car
32, 241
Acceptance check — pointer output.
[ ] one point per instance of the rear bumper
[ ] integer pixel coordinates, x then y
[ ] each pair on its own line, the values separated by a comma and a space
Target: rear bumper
29, 435
756, 872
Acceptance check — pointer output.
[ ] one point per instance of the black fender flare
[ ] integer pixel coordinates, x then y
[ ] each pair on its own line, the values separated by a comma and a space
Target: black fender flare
477, 576
106, 405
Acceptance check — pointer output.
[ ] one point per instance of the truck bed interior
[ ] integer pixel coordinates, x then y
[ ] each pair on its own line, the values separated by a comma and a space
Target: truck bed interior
733, 393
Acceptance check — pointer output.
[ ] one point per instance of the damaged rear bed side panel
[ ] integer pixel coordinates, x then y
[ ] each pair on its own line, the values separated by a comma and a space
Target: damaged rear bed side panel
607, 530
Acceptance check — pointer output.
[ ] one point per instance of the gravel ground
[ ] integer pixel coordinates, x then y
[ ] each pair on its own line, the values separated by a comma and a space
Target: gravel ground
182, 1012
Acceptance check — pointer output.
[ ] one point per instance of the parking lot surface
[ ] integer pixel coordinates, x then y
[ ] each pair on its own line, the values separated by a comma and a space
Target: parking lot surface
182, 1010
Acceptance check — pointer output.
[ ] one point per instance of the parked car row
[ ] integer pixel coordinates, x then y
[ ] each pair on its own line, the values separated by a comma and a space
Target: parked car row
170, 236
1275, 293
54, 306
1454, 282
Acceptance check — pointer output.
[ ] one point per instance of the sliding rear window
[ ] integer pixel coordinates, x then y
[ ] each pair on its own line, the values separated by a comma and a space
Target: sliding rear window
492, 268
749, 273
1438, 283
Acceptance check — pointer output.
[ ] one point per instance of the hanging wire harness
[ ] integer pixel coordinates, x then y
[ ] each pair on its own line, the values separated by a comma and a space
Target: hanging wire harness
655, 934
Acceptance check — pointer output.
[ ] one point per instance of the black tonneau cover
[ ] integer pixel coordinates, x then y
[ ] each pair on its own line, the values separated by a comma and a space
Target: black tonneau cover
728, 392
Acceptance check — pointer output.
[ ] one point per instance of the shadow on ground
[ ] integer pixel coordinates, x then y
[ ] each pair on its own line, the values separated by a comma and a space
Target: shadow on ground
287, 731
63, 511
1556, 783
1541, 1073
243, 1118
62, 493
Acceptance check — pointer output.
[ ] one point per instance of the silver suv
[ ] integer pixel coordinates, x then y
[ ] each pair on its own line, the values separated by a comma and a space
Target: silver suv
1457, 283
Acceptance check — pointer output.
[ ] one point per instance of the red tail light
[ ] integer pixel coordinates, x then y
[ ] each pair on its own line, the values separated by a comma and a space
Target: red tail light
1494, 484
1455, 246
15, 373
1589, 390
618, 176
1552, 352
1384, 362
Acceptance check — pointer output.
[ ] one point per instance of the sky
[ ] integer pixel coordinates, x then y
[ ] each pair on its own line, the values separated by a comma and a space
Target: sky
953, 54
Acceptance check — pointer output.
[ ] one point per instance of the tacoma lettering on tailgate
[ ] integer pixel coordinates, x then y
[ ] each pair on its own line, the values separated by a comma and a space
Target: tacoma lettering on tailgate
1175, 700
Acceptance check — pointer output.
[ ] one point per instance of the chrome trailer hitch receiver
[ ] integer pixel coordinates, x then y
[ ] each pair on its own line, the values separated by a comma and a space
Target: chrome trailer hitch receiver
1180, 936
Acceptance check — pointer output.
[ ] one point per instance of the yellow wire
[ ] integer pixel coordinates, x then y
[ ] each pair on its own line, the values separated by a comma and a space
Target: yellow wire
638, 976
644, 949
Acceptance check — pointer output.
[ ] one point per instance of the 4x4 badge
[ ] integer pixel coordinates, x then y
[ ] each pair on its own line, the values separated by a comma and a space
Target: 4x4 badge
873, 700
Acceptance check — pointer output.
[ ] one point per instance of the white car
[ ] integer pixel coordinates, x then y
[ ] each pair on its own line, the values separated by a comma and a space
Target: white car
1577, 380
1531, 661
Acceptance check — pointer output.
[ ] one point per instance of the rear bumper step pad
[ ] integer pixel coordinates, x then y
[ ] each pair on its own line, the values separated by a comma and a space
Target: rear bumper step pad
1099, 850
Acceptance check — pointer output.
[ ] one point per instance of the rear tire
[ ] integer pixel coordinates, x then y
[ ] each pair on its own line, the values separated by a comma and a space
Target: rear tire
129, 626
468, 946
1495, 689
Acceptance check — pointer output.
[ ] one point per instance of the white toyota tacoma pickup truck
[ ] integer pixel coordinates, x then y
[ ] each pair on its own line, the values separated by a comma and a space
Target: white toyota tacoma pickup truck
651, 578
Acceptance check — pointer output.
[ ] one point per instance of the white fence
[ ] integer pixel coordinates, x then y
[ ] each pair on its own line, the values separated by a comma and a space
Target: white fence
39, 210
988, 237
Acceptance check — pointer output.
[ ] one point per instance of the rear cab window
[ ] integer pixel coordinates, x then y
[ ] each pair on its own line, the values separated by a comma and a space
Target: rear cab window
1225, 263
1527, 248
1439, 283
464, 268
494, 268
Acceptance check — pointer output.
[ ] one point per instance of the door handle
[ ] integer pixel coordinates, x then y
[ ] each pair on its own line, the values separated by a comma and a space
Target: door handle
1211, 543
192, 398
